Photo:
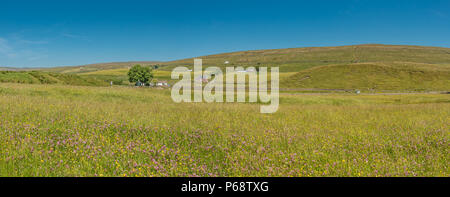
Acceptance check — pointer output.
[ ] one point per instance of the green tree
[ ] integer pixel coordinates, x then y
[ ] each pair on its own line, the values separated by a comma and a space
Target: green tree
140, 74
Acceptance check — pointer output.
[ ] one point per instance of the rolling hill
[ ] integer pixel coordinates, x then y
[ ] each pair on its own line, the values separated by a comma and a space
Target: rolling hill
365, 67
369, 67
297, 59
373, 77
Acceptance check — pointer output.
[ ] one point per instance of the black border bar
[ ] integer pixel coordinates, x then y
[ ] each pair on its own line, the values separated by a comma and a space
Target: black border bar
266, 185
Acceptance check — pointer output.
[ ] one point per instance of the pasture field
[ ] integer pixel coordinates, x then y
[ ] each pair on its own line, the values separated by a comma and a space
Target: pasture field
62, 130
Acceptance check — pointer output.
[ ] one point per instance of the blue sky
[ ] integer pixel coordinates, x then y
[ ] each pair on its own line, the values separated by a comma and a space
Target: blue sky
74, 32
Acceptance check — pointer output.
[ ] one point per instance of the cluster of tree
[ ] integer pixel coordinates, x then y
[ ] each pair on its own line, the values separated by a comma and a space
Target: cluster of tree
139, 74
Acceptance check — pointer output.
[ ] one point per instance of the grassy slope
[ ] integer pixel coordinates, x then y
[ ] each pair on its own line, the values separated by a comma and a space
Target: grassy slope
103, 72
373, 76
36, 77
297, 59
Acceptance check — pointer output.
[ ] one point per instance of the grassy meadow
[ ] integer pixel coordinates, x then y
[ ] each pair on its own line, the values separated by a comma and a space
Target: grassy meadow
63, 130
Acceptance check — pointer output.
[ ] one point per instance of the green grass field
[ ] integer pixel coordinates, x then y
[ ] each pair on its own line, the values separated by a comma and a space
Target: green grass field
61, 130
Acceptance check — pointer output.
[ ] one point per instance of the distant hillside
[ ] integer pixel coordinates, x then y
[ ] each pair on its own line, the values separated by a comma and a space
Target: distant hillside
373, 77
297, 59
365, 67
96, 67
36, 77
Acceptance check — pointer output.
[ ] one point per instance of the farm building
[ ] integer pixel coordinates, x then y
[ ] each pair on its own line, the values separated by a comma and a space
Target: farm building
162, 84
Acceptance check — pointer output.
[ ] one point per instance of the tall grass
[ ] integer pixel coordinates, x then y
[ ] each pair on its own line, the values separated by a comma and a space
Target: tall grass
56, 130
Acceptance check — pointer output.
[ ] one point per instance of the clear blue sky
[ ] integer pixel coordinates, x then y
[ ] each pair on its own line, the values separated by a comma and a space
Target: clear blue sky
74, 32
